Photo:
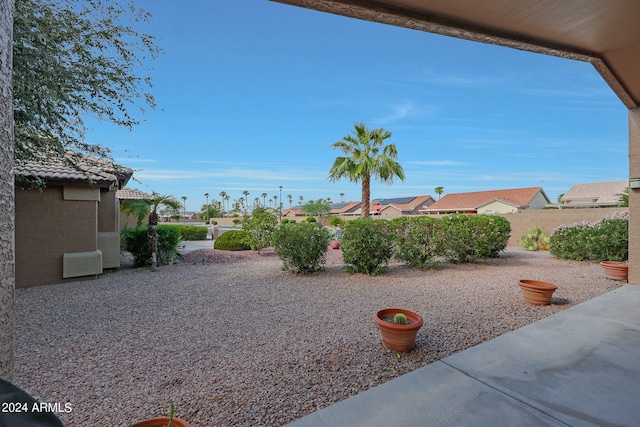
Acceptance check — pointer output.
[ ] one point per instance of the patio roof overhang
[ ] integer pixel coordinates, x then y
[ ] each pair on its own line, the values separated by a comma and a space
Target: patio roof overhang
603, 32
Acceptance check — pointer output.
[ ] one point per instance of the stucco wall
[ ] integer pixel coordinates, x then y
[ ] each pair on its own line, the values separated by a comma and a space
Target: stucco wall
497, 207
47, 226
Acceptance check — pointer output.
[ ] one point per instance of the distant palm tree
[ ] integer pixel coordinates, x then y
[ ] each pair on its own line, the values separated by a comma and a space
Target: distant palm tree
246, 197
300, 199
207, 196
342, 197
439, 191
227, 198
366, 155
290, 197
264, 199
223, 195
184, 205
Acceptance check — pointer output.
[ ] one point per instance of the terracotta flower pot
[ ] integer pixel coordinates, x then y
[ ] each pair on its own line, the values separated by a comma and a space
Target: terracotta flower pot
615, 270
162, 422
335, 244
399, 338
537, 292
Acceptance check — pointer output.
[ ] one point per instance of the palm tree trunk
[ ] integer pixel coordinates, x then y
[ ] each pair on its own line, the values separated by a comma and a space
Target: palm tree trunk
153, 239
366, 196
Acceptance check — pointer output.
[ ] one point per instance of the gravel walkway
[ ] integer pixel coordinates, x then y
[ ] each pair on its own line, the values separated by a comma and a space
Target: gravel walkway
233, 340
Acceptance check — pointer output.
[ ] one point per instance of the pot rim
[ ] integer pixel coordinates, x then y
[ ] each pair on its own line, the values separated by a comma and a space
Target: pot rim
619, 264
537, 284
412, 315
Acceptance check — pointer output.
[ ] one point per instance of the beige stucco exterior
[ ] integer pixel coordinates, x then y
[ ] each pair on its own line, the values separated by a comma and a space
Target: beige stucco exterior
65, 233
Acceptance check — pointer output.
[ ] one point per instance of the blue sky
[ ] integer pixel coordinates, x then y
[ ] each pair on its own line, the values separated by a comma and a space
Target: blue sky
252, 94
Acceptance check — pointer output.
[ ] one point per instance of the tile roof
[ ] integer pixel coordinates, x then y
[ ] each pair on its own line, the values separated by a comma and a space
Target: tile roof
520, 197
90, 169
132, 194
405, 204
601, 193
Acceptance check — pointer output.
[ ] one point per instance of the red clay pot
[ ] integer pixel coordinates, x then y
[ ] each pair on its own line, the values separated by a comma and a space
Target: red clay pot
335, 244
537, 292
161, 422
399, 338
615, 270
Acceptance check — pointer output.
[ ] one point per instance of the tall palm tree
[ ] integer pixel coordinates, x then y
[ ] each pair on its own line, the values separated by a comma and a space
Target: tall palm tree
264, 199
439, 191
341, 197
227, 198
184, 205
366, 155
246, 197
290, 197
154, 203
207, 196
223, 195
300, 199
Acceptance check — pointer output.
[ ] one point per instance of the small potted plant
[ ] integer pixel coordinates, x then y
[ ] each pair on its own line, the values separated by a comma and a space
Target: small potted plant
169, 421
537, 292
398, 328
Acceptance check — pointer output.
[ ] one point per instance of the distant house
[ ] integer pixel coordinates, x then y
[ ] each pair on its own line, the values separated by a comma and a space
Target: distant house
594, 195
69, 230
335, 209
490, 202
130, 194
401, 206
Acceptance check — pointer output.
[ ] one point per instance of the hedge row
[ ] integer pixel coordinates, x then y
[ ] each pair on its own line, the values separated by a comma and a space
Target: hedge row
603, 240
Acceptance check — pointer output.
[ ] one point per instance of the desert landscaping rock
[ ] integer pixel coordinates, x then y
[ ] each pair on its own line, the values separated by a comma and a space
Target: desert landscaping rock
233, 340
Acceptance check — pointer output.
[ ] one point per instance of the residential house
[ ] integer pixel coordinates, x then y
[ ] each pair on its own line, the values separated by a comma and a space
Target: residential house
594, 195
401, 206
69, 230
490, 202
130, 194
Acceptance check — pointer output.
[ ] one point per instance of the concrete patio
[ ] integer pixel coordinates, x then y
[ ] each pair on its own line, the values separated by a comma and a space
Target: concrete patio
579, 367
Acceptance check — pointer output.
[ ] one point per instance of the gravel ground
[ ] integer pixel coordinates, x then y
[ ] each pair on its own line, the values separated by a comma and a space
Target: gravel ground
233, 340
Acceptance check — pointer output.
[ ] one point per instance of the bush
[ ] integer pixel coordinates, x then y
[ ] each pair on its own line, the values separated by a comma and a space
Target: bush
473, 237
192, 232
335, 221
232, 240
259, 228
136, 241
604, 240
302, 247
418, 240
367, 245
310, 219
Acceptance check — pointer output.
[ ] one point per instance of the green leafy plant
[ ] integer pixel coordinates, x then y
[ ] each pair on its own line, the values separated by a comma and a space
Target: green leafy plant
302, 246
367, 246
335, 221
192, 232
535, 239
136, 241
473, 237
232, 240
418, 241
603, 240
259, 228
400, 319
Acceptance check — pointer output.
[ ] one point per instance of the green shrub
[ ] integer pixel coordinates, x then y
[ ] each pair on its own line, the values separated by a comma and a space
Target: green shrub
259, 228
192, 232
302, 247
419, 241
473, 237
335, 221
609, 240
568, 242
367, 245
603, 240
136, 241
310, 219
232, 240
